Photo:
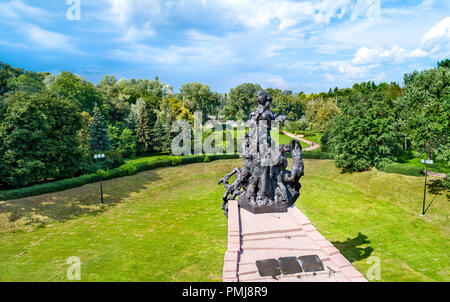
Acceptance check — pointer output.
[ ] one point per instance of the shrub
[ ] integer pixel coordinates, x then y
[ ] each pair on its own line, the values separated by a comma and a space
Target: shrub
175, 161
112, 160
207, 159
401, 169
317, 155
128, 169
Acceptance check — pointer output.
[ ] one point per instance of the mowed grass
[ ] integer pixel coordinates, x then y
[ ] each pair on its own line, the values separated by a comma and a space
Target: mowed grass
167, 225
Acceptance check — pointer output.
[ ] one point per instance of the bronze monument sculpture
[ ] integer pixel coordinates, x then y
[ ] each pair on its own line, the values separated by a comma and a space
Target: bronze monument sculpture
263, 184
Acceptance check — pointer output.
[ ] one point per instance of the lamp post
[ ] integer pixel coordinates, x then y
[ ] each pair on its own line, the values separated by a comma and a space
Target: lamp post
426, 162
98, 157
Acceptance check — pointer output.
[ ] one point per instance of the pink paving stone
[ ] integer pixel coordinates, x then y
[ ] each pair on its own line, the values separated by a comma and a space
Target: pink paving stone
331, 250
351, 272
314, 235
229, 267
229, 275
275, 235
309, 228
340, 261
231, 257
359, 279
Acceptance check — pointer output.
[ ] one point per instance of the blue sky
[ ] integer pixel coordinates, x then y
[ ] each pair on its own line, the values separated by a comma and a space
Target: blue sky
298, 45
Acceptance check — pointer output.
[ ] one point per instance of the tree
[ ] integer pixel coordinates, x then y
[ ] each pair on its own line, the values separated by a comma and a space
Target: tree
6, 74
325, 114
444, 63
28, 82
198, 97
365, 132
99, 130
38, 139
426, 97
74, 88
176, 110
84, 133
114, 133
143, 132
288, 104
127, 143
241, 101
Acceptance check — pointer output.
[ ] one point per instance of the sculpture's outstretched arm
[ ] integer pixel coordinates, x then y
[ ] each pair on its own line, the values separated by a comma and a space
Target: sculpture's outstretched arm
280, 118
225, 179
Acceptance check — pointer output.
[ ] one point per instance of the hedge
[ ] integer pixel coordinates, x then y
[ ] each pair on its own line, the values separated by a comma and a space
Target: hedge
317, 155
402, 169
124, 170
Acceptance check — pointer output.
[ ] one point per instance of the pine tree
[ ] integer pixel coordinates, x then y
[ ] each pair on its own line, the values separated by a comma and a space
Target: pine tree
143, 131
162, 137
99, 137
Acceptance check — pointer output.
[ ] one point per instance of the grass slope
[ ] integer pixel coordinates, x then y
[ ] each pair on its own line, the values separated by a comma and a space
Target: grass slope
166, 225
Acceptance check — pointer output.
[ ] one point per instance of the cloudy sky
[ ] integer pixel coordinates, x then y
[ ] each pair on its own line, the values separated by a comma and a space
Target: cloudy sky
298, 45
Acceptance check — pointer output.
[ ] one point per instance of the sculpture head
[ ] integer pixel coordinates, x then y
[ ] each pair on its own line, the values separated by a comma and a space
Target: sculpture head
263, 97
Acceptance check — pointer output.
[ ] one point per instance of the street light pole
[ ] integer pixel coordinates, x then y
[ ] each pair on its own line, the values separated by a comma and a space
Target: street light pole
98, 157
426, 162
425, 189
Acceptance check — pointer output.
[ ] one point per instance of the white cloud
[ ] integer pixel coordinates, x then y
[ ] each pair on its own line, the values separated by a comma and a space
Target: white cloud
47, 39
370, 9
437, 32
204, 49
437, 39
396, 54
278, 82
17, 9
133, 34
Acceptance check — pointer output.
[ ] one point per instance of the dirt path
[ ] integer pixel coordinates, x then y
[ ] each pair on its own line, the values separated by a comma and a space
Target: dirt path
312, 145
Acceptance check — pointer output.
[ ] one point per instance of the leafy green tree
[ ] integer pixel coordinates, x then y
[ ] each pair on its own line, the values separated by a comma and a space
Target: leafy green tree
127, 143
198, 97
241, 101
426, 97
288, 104
84, 133
99, 133
444, 63
74, 88
7, 73
365, 132
38, 139
325, 114
114, 133
28, 82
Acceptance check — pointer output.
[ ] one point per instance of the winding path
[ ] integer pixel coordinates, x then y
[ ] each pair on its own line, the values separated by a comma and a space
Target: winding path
312, 145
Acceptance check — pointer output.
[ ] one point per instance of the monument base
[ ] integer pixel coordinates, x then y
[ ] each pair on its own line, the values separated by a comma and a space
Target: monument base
280, 207
281, 247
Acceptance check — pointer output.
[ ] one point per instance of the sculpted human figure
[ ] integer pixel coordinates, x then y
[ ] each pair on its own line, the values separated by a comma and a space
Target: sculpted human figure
264, 184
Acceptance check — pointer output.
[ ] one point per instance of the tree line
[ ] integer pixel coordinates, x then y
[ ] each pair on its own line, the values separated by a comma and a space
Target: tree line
52, 124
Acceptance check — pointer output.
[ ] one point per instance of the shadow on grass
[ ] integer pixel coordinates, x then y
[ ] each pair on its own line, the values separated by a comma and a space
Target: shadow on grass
65, 205
437, 187
350, 248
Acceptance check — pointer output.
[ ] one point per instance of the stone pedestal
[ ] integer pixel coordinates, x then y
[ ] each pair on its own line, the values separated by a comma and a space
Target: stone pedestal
253, 237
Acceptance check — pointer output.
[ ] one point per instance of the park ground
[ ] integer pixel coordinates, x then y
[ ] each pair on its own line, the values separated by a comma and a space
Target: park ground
167, 225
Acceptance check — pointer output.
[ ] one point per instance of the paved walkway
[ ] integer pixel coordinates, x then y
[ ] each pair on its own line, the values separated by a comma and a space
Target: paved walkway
312, 145
253, 237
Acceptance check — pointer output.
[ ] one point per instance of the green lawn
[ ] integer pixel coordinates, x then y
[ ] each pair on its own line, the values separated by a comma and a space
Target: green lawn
167, 225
